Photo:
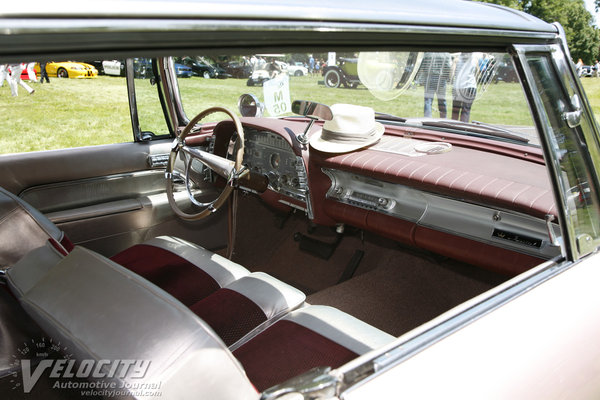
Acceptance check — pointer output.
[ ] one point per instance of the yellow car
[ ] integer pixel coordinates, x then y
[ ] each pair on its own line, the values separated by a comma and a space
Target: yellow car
71, 69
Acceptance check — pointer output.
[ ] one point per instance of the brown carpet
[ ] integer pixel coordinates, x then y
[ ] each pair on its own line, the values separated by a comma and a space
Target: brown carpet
394, 288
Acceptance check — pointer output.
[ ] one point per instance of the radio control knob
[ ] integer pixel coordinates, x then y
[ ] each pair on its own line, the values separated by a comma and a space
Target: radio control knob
339, 190
383, 202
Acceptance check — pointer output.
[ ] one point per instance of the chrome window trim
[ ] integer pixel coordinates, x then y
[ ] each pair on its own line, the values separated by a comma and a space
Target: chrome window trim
559, 63
70, 25
545, 130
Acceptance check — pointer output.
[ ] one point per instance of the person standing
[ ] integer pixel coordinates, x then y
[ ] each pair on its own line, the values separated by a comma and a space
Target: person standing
31, 72
3, 74
464, 89
43, 73
273, 68
15, 79
597, 67
436, 72
311, 65
579, 67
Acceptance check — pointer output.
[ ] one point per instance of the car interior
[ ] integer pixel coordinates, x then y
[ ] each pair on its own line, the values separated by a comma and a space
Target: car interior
240, 253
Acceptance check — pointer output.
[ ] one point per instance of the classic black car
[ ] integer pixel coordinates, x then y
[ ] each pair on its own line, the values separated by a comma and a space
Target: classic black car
345, 74
202, 67
164, 239
238, 69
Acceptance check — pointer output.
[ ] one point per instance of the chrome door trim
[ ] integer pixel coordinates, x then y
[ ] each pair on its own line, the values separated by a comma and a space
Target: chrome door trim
97, 190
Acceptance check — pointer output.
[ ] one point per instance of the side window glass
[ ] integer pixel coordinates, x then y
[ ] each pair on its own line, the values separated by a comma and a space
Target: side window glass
75, 105
149, 109
568, 143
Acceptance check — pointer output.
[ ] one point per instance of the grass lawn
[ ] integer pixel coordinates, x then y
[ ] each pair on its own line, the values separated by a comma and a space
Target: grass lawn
72, 112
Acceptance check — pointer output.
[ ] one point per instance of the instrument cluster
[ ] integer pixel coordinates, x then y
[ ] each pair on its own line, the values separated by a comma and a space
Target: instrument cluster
269, 154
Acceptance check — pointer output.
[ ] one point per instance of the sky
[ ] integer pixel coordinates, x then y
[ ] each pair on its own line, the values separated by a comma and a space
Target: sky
589, 4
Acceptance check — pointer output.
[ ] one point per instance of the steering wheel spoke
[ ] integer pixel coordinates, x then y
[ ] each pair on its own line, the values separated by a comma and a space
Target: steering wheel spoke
228, 169
221, 166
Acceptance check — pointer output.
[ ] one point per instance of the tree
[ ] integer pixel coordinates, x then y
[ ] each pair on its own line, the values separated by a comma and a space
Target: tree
582, 37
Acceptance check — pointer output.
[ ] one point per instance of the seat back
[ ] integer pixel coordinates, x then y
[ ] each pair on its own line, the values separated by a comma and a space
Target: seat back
22, 228
101, 311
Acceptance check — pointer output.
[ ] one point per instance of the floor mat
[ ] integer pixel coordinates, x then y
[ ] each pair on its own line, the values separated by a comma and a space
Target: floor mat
405, 293
393, 288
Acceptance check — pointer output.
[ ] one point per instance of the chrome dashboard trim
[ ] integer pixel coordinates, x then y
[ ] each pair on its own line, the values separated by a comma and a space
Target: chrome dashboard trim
303, 182
456, 217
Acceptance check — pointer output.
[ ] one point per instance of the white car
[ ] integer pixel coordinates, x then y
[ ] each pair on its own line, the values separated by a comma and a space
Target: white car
297, 69
113, 67
428, 235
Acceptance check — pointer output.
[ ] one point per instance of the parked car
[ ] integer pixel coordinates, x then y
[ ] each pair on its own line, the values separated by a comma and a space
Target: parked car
71, 69
238, 69
142, 68
346, 73
588, 71
267, 71
157, 244
297, 69
204, 68
183, 71
113, 67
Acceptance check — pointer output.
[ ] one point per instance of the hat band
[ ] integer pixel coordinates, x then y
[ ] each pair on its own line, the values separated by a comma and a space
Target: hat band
346, 137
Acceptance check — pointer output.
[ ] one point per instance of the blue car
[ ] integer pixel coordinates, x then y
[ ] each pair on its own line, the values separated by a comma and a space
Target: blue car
183, 71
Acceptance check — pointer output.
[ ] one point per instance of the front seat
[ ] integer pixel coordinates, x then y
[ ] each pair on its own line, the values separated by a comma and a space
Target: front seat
103, 312
186, 271
105, 315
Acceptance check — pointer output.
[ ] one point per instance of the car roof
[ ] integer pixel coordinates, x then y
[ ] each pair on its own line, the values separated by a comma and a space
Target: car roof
126, 28
431, 12
457, 13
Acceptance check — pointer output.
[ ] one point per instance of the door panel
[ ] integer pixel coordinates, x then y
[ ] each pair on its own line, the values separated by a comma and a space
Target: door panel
107, 197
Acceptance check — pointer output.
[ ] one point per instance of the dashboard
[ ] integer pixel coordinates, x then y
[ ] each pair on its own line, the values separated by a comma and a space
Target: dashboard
477, 205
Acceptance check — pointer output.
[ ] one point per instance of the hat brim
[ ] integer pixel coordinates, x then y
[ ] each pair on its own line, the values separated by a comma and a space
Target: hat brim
326, 146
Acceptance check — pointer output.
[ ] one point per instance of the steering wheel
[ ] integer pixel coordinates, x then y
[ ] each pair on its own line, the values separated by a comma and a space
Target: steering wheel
231, 170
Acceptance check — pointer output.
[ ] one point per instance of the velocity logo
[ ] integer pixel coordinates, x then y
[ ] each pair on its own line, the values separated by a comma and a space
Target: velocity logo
37, 358
87, 369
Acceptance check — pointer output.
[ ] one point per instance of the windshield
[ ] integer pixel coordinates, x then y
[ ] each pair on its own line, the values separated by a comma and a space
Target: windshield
470, 93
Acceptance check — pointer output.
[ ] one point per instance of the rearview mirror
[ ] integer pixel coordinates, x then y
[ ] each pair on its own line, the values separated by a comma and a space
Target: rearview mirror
312, 110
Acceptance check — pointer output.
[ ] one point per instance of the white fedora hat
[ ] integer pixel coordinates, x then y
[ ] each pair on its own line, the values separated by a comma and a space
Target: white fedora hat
352, 128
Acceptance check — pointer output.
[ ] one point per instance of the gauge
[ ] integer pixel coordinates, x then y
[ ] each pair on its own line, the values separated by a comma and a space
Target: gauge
274, 160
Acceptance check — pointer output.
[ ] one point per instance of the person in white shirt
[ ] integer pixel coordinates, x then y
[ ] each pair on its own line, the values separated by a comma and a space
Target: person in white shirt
15, 79
3, 74
31, 72
464, 89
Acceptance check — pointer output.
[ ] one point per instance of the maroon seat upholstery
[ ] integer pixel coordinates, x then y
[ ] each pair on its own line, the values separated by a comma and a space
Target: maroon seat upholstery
186, 271
247, 303
309, 337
